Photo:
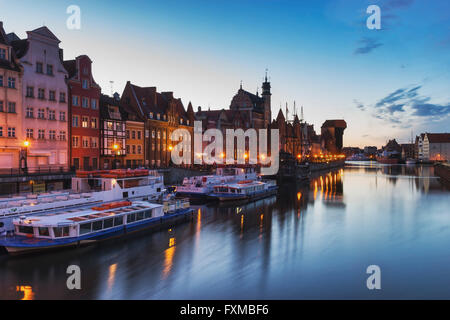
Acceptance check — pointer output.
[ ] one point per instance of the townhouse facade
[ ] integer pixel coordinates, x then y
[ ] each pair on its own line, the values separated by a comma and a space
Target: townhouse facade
112, 132
44, 99
84, 114
434, 146
135, 141
163, 114
11, 133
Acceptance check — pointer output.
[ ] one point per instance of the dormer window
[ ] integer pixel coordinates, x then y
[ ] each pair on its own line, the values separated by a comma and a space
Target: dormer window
2, 54
85, 84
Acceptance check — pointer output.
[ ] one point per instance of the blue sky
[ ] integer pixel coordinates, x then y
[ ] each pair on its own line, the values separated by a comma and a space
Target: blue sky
385, 83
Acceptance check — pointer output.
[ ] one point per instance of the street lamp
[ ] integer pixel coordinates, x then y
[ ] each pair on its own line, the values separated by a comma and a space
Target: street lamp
116, 148
24, 156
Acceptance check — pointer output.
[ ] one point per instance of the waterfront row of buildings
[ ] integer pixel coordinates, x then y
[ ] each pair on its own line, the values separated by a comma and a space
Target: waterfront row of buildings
53, 114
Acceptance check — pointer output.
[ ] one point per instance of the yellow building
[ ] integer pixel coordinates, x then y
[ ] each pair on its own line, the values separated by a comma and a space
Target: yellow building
134, 150
12, 140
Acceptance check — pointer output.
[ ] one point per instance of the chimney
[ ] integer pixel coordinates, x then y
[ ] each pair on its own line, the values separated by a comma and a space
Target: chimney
199, 109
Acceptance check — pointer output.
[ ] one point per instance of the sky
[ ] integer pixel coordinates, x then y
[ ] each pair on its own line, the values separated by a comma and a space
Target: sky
388, 83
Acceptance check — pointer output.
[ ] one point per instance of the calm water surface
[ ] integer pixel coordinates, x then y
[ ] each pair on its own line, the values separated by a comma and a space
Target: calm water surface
312, 241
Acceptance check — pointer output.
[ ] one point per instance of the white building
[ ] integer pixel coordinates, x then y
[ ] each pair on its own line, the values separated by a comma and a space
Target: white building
44, 109
434, 146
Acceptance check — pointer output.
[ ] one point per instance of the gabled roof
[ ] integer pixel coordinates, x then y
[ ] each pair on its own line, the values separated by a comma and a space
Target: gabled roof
3, 37
20, 47
71, 67
45, 32
280, 115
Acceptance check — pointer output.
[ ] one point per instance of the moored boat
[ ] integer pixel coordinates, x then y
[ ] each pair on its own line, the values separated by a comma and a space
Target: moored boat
88, 188
244, 190
199, 187
78, 227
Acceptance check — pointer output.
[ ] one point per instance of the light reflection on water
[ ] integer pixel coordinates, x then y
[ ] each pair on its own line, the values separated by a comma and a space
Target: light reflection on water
313, 241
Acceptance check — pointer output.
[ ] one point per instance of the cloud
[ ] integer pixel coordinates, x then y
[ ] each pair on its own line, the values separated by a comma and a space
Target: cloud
397, 4
431, 110
406, 106
367, 45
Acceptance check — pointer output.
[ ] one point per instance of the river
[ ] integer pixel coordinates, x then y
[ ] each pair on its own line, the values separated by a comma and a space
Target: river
312, 241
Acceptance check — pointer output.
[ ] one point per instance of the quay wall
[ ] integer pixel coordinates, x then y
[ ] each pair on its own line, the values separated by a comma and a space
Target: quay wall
443, 172
314, 167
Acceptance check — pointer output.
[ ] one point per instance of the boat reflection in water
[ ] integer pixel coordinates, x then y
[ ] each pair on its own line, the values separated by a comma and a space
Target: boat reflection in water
312, 240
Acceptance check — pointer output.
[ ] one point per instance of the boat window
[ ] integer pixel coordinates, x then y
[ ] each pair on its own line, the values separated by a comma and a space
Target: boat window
85, 228
233, 190
118, 221
57, 232
131, 217
139, 215
148, 214
108, 223
43, 231
66, 232
28, 230
97, 225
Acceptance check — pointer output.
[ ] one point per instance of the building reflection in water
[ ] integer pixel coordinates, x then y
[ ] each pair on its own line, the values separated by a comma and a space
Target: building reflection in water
168, 261
111, 276
28, 293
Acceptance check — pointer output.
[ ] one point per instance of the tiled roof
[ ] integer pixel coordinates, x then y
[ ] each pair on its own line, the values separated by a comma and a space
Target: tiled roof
438, 137
71, 67
335, 123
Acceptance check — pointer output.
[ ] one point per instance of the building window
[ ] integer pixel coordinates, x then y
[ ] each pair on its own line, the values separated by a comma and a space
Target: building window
85, 102
1, 131
11, 107
75, 141
62, 116
127, 134
30, 113
11, 132
139, 134
159, 134
153, 134
41, 114
85, 122
139, 149
62, 97
133, 134
30, 92
94, 123
41, 134
151, 115
11, 82
1, 81
1, 106
158, 116
49, 69
164, 135
181, 120
75, 101
94, 142
30, 134
51, 115
51, 95
187, 122
85, 84
62, 135
39, 67
2, 54
41, 94
94, 104
75, 121
133, 148
85, 142
52, 135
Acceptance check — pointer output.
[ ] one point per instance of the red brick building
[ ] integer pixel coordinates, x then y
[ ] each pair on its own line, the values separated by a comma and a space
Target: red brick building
84, 114
162, 113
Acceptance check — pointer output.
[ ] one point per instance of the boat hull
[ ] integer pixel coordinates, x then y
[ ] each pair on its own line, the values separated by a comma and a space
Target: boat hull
17, 245
239, 197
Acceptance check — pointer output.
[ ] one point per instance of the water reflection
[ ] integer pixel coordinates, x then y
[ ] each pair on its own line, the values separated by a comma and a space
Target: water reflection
313, 240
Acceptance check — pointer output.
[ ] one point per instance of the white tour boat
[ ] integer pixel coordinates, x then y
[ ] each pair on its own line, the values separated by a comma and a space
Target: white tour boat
199, 187
88, 187
80, 226
244, 190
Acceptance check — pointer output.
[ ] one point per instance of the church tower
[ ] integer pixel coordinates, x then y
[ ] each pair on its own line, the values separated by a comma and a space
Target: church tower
266, 95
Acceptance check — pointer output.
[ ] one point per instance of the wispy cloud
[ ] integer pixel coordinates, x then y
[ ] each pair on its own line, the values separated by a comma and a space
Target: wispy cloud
406, 106
367, 45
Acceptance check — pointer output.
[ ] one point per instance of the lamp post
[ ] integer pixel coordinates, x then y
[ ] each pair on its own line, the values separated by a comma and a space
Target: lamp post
116, 148
24, 156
